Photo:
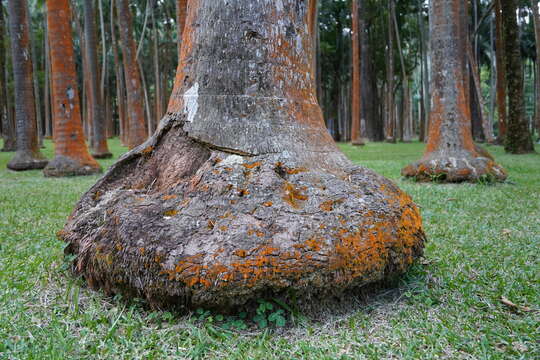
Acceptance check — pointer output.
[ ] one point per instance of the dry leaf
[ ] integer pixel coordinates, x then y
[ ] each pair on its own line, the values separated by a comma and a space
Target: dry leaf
510, 304
506, 231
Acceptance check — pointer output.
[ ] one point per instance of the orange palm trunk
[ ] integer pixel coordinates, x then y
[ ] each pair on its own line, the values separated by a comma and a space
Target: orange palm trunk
72, 156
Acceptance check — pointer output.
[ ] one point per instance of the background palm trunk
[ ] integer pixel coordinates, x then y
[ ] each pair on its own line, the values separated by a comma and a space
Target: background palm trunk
28, 155
98, 143
72, 157
135, 97
8, 127
518, 137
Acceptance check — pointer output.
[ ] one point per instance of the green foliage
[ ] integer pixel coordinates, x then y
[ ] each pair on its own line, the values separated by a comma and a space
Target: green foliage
483, 245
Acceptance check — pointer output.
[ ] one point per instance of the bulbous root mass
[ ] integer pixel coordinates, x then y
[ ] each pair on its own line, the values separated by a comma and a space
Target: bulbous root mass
27, 160
65, 166
454, 169
184, 225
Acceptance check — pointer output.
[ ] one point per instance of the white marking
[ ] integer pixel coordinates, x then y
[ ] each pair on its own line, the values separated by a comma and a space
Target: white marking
191, 104
232, 160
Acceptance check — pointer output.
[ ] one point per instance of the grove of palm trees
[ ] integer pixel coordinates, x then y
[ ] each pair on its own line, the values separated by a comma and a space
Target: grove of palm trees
311, 179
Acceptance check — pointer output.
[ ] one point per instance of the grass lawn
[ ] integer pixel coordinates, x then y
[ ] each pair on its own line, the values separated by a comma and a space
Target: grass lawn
484, 244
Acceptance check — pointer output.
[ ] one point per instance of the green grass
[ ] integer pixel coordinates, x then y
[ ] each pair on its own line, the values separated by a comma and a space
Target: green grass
483, 244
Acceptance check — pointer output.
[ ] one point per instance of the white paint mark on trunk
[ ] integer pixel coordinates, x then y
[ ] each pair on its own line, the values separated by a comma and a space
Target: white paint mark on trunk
191, 104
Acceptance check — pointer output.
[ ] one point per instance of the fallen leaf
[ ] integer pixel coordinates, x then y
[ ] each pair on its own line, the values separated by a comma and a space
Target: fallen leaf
510, 304
506, 231
451, 199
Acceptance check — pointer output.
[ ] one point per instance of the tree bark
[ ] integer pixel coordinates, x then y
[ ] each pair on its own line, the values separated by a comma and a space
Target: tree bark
356, 131
135, 97
181, 11
518, 138
451, 154
98, 144
28, 155
241, 192
71, 155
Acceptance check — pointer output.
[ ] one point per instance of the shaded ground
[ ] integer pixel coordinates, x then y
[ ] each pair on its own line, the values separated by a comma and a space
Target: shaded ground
484, 243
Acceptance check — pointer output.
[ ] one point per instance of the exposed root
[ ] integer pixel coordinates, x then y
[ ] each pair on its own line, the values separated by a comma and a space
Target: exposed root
26, 160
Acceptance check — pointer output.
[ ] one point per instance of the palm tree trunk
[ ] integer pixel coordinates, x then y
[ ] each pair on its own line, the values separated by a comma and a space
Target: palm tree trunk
28, 155
135, 97
71, 155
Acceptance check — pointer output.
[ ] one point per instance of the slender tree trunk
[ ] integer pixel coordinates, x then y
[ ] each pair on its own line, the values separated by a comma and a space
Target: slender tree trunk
390, 102
451, 154
518, 137
135, 96
274, 231
536, 17
8, 127
501, 71
99, 146
28, 155
406, 120
47, 83
356, 136
39, 113
120, 82
71, 155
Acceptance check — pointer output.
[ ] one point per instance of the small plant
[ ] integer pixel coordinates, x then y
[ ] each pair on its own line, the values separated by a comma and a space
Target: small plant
268, 314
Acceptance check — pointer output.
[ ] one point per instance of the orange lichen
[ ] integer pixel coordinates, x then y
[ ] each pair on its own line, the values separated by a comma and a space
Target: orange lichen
243, 192
223, 228
327, 205
148, 150
252, 165
292, 195
170, 213
241, 253
211, 224
268, 204
169, 197
142, 251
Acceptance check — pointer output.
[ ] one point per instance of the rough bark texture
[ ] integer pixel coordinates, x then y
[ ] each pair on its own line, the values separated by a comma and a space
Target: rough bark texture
137, 131
241, 192
451, 154
28, 156
99, 127
72, 157
356, 103
518, 138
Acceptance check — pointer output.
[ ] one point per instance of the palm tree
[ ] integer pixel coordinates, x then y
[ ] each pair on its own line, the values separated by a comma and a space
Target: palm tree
137, 131
451, 154
72, 156
28, 155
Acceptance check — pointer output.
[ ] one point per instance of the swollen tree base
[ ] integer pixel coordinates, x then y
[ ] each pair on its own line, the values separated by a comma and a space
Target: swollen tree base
62, 166
183, 224
454, 168
27, 160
